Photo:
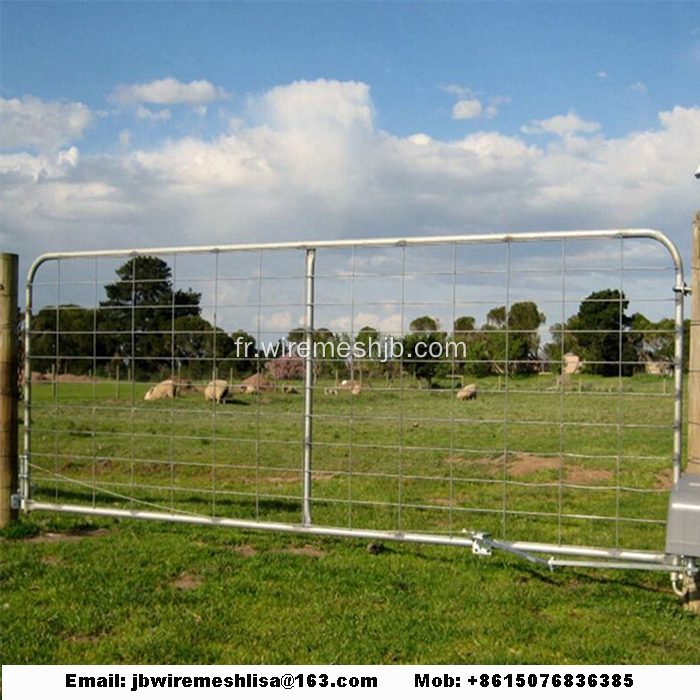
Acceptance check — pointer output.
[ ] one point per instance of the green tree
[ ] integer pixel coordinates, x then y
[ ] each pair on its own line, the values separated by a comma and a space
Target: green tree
424, 349
368, 357
458, 347
242, 359
63, 340
511, 338
524, 320
140, 314
602, 332
198, 348
564, 340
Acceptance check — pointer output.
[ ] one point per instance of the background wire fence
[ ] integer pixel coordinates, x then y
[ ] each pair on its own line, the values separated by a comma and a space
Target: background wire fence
571, 344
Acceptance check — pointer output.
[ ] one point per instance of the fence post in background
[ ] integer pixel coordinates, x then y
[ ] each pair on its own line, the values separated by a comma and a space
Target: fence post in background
691, 587
9, 385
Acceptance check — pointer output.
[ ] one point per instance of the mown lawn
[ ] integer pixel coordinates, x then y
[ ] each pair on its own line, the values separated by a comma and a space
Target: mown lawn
133, 592
586, 465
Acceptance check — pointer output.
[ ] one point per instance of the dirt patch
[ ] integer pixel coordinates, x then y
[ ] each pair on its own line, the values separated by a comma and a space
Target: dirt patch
84, 638
579, 475
245, 550
49, 378
74, 535
51, 560
307, 551
523, 464
292, 479
531, 464
187, 582
664, 480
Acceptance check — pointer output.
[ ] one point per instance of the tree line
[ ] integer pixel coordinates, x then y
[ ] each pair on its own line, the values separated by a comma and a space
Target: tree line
149, 329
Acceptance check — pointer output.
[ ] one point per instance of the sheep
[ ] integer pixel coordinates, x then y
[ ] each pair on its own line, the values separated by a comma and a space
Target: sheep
467, 393
256, 383
352, 386
167, 389
217, 390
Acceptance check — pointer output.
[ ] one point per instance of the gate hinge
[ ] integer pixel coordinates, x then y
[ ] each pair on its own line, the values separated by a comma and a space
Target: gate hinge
16, 501
482, 544
685, 289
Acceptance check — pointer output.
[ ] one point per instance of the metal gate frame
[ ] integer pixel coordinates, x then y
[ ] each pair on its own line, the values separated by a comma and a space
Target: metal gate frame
478, 542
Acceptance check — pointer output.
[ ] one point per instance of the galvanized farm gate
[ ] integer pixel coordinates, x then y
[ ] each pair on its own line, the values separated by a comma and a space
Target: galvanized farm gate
361, 431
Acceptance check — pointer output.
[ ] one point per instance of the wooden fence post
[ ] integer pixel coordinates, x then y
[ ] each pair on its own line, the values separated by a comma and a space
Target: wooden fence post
691, 586
9, 385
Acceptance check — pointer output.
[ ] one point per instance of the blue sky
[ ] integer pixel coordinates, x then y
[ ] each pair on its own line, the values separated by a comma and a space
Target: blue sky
617, 63
158, 123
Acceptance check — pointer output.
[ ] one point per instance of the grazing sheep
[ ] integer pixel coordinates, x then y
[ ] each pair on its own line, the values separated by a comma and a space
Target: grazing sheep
167, 389
289, 390
467, 393
256, 383
330, 392
217, 390
352, 386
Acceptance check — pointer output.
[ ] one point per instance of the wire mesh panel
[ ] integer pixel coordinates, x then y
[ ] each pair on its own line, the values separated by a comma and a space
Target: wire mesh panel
527, 386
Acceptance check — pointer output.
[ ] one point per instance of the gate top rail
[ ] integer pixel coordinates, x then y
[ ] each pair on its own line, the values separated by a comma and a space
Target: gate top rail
377, 242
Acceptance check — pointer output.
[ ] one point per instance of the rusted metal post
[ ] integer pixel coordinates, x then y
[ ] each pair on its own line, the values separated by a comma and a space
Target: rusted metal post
9, 385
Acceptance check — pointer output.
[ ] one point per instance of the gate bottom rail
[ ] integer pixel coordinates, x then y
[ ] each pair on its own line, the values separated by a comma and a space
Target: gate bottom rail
481, 544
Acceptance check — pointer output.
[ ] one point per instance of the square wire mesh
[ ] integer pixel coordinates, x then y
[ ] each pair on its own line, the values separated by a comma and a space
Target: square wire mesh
521, 388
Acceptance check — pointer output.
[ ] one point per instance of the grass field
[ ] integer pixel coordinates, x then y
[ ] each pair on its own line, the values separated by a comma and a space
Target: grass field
589, 464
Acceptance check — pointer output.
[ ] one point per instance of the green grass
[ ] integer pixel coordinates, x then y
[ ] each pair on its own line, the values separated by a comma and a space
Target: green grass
589, 465
157, 593
138, 592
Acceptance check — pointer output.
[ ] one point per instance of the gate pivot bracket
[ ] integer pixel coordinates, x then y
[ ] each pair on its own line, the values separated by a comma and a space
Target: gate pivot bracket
483, 545
686, 289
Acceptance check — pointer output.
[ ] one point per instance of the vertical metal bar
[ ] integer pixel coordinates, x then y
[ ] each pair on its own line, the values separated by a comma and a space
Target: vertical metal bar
353, 338
9, 447
308, 384
453, 394
620, 392
27, 395
690, 584
678, 361
93, 410
402, 392
506, 394
562, 404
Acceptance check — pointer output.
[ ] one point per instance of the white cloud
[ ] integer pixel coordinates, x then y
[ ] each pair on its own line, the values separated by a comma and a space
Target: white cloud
168, 91
602, 74
309, 163
145, 114
69, 157
561, 125
639, 87
467, 109
469, 106
32, 123
460, 91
